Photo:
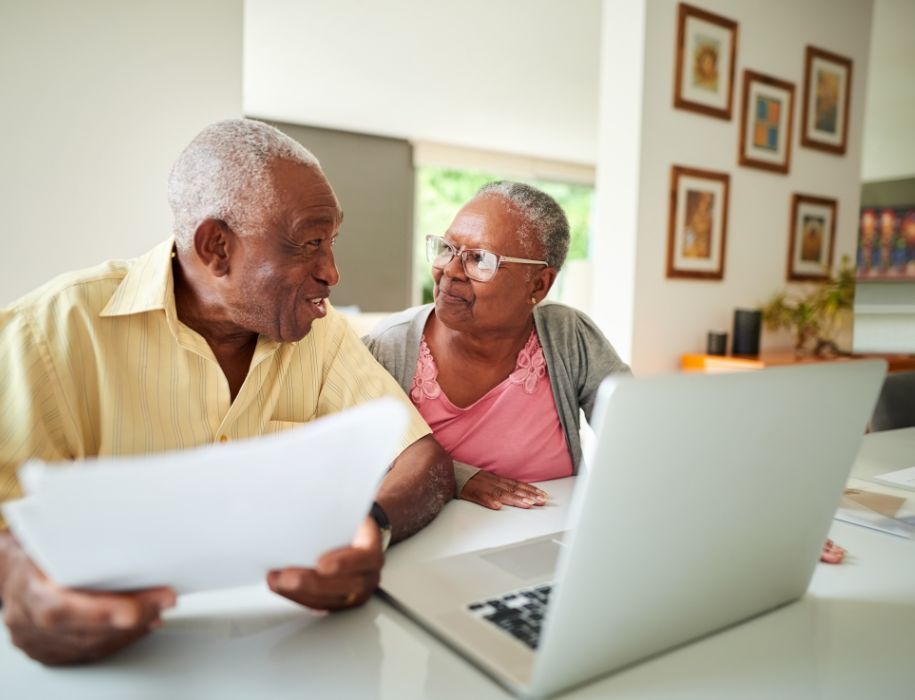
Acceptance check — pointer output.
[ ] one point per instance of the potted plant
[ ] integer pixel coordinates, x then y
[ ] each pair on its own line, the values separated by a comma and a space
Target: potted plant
815, 314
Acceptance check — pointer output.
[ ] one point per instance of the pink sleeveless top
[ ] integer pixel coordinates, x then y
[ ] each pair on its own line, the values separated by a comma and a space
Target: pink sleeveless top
513, 430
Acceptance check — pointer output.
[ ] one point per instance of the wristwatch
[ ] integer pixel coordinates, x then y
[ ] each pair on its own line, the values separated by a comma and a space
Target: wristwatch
381, 519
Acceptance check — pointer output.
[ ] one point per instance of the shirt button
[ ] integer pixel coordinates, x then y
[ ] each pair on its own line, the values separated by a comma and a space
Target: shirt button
223, 438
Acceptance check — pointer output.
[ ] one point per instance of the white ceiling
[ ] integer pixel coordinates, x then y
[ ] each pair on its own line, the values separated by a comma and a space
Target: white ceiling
512, 76
516, 76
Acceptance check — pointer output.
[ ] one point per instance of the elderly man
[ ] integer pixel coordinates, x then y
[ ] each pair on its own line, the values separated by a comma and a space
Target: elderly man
222, 333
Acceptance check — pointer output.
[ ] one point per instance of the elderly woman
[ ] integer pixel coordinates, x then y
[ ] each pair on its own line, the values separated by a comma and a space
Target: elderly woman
498, 374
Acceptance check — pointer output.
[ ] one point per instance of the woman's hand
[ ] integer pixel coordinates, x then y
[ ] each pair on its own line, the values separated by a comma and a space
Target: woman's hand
492, 491
832, 553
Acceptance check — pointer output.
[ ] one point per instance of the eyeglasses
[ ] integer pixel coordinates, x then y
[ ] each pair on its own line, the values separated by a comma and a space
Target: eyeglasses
479, 265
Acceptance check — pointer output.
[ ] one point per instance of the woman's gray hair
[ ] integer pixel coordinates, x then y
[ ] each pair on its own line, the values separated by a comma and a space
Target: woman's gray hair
545, 221
224, 173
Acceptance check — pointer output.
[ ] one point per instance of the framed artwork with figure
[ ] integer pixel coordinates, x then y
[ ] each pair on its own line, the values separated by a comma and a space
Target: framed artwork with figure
705, 57
812, 237
697, 224
886, 243
827, 95
765, 122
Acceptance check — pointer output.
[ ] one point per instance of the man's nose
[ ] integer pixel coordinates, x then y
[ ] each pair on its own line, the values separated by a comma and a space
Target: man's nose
326, 270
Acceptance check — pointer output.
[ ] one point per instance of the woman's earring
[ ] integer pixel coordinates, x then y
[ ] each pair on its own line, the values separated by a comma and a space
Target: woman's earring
533, 299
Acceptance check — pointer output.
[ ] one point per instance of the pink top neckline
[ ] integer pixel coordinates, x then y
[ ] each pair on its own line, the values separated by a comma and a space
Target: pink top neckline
513, 430
530, 367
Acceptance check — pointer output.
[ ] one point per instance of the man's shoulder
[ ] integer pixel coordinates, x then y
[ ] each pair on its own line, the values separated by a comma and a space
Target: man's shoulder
89, 288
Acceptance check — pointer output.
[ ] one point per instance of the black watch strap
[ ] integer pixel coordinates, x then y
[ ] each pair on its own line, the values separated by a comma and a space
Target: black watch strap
381, 519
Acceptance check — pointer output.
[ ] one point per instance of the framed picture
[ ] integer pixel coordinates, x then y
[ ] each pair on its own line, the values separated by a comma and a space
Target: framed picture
698, 223
827, 94
812, 238
765, 122
705, 58
886, 243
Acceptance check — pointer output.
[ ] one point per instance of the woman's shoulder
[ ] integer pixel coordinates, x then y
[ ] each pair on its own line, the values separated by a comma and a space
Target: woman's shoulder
399, 323
552, 313
571, 333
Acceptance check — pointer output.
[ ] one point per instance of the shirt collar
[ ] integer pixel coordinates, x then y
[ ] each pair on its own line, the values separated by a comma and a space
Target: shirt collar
147, 286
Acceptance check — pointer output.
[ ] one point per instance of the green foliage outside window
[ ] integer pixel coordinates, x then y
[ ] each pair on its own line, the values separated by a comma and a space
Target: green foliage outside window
441, 192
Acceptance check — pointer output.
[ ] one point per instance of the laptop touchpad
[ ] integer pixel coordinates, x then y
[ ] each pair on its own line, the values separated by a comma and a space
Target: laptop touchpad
527, 561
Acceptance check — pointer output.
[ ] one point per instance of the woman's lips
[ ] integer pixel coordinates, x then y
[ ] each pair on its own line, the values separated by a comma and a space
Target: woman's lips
447, 296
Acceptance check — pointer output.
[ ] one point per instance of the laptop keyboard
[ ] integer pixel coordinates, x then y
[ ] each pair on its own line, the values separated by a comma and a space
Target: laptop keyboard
519, 613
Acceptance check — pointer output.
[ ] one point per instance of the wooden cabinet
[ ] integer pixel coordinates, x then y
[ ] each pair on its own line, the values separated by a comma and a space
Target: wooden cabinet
776, 358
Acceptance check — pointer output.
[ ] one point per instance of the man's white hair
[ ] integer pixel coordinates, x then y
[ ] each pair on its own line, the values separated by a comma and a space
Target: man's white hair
224, 174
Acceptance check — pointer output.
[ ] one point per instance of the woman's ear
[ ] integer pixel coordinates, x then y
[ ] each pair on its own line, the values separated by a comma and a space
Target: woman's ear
543, 282
212, 242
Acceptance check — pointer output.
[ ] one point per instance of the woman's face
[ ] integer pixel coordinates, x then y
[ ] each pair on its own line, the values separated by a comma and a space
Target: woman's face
502, 305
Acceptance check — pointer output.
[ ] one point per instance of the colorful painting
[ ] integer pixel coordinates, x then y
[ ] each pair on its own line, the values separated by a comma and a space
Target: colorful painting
886, 243
705, 58
766, 125
827, 95
705, 63
697, 224
811, 238
767, 116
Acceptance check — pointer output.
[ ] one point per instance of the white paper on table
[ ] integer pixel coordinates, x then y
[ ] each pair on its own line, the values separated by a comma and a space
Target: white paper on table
875, 521
901, 479
213, 517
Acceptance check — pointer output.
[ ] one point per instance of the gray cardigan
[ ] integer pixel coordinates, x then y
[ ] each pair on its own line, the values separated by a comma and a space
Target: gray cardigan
578, 357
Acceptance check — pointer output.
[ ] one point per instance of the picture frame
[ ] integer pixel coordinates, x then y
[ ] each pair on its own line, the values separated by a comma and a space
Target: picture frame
766, 120
697, 223
886, 244
812, 237
827, 96
705, 54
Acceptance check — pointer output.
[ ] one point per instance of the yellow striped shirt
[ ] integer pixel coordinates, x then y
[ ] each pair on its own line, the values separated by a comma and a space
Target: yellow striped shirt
96, 362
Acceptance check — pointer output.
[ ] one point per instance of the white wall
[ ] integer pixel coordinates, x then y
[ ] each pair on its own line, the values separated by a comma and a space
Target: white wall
671, 317
99, 97
514, 76
889, 113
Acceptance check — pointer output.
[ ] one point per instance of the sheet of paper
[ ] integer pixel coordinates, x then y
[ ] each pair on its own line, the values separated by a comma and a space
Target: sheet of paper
901, 479
213, 517
877, 511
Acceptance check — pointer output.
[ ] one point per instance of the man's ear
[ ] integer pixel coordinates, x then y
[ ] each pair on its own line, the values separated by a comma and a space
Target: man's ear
543, 281
213, 240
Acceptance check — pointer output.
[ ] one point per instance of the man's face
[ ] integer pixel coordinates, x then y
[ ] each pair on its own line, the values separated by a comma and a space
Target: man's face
281, 273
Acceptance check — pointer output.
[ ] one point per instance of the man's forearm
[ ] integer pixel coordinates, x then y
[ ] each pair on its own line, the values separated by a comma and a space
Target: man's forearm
419, 484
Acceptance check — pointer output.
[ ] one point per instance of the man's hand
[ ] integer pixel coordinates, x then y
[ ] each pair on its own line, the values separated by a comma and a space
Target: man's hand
492, 491
342, 578
57, 625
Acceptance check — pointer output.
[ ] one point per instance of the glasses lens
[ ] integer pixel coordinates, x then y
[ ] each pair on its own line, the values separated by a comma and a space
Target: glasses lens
480, 265
438, 252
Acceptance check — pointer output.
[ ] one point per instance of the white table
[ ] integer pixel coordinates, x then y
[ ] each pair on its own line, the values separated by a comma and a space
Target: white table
852, 636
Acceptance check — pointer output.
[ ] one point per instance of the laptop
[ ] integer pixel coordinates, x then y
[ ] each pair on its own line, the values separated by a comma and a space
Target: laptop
707, 502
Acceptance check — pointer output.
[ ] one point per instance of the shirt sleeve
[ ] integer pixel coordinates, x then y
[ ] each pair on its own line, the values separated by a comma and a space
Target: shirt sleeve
31, 417
598, 360
352, 376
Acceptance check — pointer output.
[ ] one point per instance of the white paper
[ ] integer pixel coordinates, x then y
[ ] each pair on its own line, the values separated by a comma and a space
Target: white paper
213, 517
901, 479
875, 521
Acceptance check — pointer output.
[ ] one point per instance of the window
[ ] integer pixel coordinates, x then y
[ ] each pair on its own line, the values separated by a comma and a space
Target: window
441, 190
